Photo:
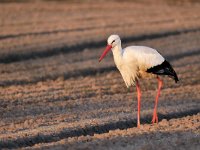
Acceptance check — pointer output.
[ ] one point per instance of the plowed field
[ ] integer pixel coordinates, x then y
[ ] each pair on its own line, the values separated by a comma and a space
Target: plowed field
54, 94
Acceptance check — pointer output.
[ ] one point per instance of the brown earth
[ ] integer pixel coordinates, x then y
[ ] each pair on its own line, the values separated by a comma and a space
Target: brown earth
55, 95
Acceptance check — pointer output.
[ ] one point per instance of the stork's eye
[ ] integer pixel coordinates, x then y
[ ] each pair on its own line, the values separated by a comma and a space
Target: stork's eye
113, 41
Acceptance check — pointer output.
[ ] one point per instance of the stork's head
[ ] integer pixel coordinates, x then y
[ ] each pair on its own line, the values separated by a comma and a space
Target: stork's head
113, 40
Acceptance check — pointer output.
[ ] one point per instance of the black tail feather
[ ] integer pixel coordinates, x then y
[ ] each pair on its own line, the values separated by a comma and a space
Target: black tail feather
164, 69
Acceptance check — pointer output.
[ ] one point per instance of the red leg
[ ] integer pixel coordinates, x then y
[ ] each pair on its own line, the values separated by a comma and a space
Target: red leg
155, 116
139, 98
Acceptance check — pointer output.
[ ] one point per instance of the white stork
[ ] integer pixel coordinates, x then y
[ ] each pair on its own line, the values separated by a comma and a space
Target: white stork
135, 62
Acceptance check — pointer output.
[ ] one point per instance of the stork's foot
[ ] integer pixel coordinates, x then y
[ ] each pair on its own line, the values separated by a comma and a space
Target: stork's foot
138, 124
155, 117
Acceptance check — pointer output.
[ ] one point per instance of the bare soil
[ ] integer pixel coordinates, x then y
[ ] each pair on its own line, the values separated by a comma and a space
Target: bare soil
55, 95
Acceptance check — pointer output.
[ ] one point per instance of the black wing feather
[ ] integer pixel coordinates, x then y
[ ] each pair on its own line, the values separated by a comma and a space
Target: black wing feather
164, 69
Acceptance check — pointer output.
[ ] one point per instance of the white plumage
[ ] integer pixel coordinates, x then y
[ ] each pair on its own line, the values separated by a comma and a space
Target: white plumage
133, 61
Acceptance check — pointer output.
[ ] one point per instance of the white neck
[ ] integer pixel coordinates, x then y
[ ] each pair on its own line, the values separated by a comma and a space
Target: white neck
117, 54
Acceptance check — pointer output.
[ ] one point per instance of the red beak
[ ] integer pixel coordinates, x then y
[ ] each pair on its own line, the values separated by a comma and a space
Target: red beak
108, 48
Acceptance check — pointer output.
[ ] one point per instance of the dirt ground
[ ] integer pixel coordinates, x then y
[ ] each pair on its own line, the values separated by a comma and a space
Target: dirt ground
54, 94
